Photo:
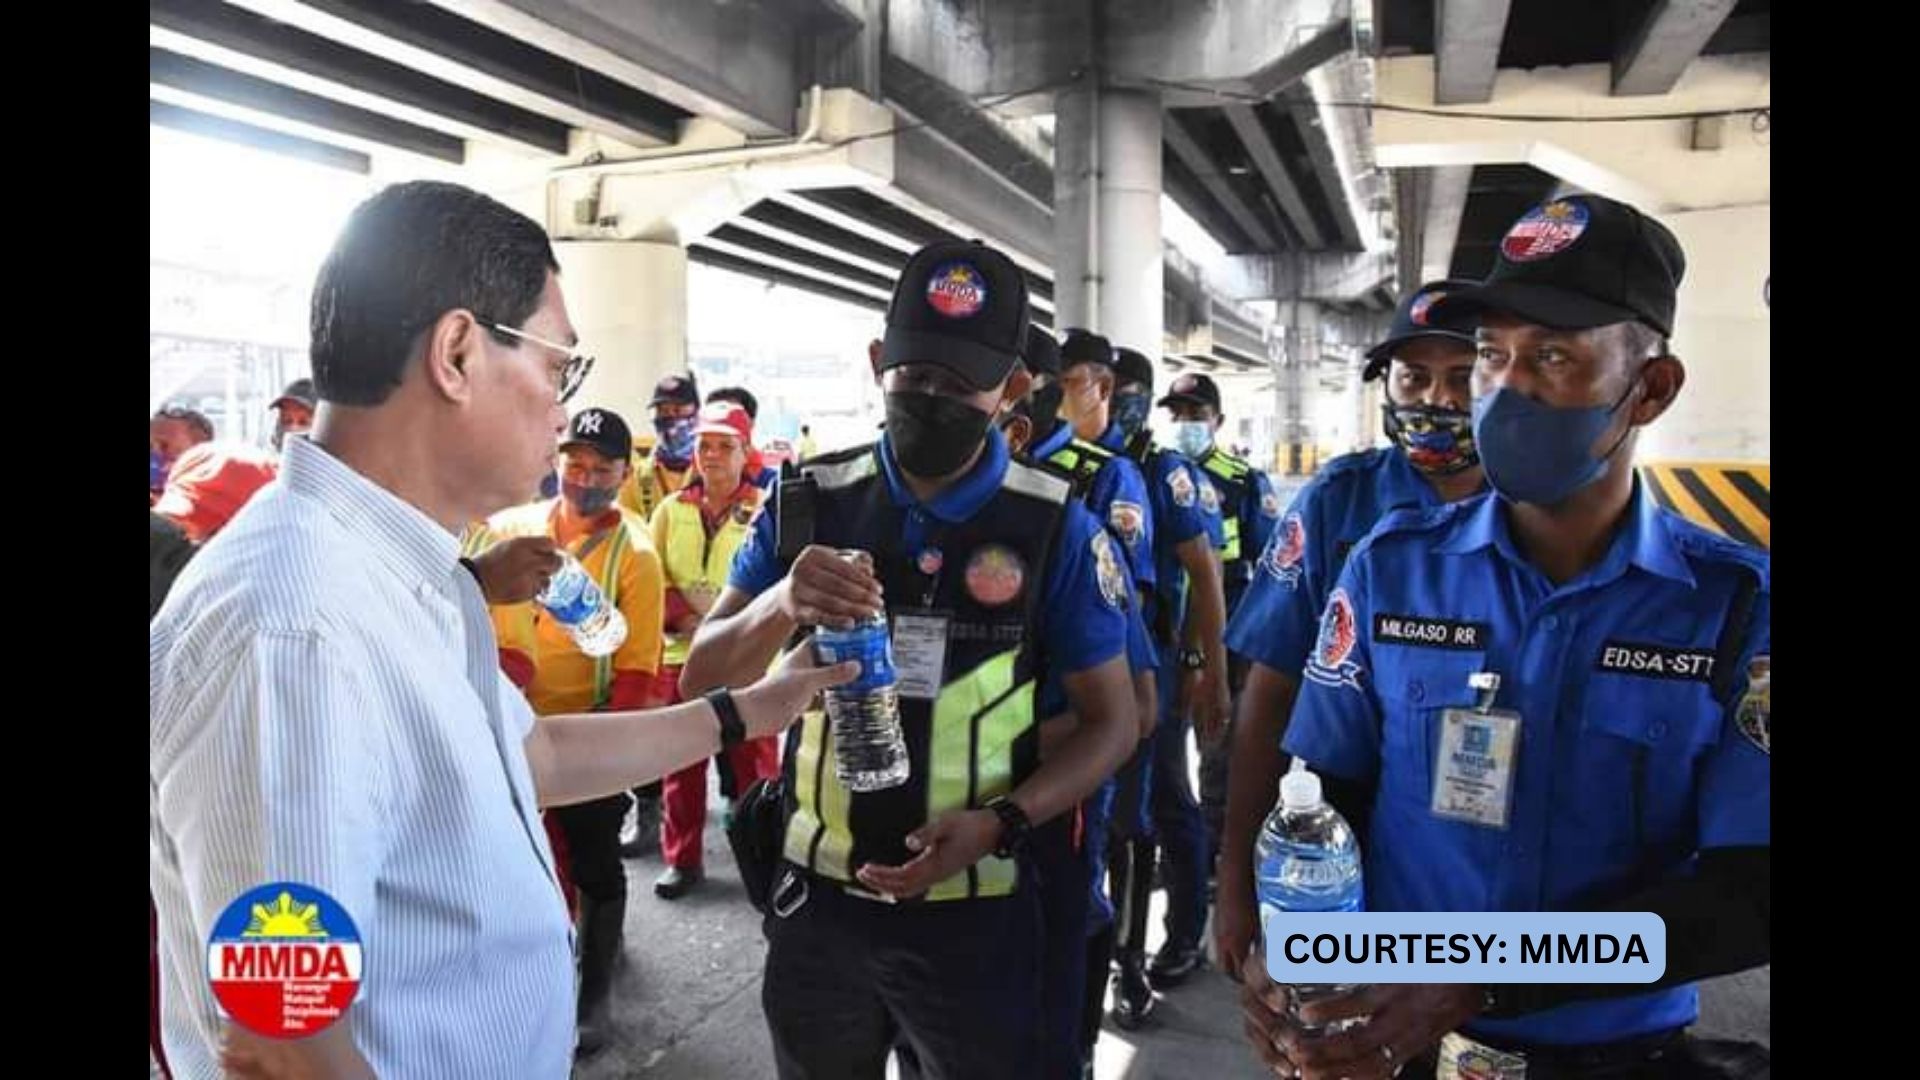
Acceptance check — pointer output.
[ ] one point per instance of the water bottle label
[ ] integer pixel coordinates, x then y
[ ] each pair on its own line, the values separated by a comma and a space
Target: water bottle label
1316, 873
577, 608
867, 644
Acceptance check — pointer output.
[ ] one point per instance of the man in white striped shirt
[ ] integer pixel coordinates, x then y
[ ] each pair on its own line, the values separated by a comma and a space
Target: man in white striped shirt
325, 702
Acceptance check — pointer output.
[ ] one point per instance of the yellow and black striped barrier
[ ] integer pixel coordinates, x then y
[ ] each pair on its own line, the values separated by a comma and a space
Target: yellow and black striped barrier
1732, 500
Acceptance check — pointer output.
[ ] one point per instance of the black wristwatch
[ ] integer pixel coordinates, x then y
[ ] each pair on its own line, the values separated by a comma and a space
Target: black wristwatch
732, 729
1193, 659
1015, 829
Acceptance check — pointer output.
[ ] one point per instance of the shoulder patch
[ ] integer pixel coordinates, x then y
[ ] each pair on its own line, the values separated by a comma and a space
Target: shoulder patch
1127, 520
1331, 663
1106, 568
1754, 716
1287, 551
1181, 484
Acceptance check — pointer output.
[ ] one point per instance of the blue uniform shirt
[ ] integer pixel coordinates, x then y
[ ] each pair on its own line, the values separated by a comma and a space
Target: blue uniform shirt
1626, 764
1114, 483
1080, 627
1117, 496
1261, 517
1179, 515
1279, 614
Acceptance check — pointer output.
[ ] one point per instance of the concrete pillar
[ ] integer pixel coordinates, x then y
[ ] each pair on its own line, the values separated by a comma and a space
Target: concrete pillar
628, 302
1299, 358
1108, 273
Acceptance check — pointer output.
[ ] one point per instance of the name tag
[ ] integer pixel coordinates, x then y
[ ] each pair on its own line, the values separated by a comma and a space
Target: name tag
1430, 633
1473, 774
920, 653
1656, 661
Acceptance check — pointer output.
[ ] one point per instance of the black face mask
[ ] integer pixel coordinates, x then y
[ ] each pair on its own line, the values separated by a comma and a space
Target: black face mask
933, 436
1043, 408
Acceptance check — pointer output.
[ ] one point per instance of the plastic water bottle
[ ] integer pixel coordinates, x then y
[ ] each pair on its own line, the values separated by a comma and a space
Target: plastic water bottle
870, 753
576, 602
1307, 859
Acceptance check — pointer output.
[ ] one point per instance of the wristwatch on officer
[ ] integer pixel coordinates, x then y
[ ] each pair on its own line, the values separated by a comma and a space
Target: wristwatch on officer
1193, 659
1015, 829
733, 730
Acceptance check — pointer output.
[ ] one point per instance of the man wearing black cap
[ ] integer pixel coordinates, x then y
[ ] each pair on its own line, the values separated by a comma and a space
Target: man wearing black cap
293, 411
661, 469
1188, 616
1249, 510
615, 548
1621, 692
907, 910
1074, 382
1428, 364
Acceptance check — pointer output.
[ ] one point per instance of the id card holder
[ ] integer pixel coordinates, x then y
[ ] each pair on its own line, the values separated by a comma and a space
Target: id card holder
920, 653
1473, 770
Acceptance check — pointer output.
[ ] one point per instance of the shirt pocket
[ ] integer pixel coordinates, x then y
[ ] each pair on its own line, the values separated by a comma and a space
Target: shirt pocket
1635, 763
1418, 686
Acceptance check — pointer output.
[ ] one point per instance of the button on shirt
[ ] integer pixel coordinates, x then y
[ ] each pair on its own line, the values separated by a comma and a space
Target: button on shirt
1626, 766
326, 708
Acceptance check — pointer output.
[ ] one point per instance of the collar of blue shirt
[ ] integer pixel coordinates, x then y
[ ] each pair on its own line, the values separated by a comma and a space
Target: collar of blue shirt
1403, 485
1645, 542
1061, 435
962, 499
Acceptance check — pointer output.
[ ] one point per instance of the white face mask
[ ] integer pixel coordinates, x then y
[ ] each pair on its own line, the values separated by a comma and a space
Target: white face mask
1193, 437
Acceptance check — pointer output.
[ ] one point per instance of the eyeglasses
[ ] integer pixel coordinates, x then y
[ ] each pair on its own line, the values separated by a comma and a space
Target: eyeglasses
571, 376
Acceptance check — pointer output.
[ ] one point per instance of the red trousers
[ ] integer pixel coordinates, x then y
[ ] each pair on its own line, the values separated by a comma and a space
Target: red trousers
683, 798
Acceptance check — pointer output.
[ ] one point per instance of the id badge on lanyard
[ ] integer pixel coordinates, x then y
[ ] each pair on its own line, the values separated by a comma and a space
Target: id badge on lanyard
920, 653
1473, 771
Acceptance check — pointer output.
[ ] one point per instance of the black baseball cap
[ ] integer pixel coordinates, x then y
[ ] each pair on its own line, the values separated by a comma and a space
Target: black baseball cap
1132, 366
1415, 319
1193, 388
299, 391
1577, 262
675, 390
1041, 353
601, 429
1082, 346
961, 305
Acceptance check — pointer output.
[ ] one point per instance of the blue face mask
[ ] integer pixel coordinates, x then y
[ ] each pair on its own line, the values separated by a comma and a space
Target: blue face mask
1537, 453
589, 501
676, 440
1193, 438
1130, 412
